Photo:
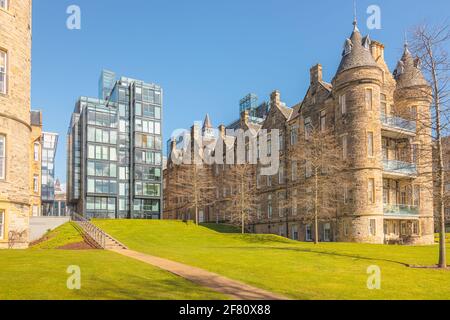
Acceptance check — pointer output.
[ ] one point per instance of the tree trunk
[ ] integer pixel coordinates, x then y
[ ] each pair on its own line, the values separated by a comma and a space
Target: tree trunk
316, 205
441, 173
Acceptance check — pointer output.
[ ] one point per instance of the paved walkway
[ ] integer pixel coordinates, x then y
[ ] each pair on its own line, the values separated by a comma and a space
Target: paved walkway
235, 289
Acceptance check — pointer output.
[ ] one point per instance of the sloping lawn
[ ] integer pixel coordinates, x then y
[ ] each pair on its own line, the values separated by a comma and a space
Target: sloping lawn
40, 273
61, 236
298, 270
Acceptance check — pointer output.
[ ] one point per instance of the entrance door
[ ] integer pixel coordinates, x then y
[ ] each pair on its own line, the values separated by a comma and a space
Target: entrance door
201, 216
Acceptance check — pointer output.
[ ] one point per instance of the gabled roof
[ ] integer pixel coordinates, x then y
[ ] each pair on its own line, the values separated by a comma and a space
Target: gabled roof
287, 112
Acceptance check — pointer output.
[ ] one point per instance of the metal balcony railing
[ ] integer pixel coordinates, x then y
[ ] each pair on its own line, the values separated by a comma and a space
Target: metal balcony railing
400, 209
398, 123
400, 167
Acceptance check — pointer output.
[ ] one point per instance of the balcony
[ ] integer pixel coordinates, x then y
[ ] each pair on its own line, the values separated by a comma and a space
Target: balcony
401, 210
396, 169
396, 127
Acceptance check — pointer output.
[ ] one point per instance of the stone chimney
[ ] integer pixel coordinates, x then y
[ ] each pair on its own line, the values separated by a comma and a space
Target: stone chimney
316, 74
222, 131
377, 49
245, 117
275, 98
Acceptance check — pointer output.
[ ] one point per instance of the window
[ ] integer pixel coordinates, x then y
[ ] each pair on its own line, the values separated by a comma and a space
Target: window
308, 128
281, 175
346, 193
308, 169
294, 203
269, 181
344, 147
370, 152
269, 207
371, 191
373, 227
308, 233
2, 224
414, 112
323, 121
2, 157
345, 227
343, 104
369, 99
294, 168
416, 195
36, 151
294, 131
3, 63
36, 183
383, 104
327, 232
415, 228
281, 141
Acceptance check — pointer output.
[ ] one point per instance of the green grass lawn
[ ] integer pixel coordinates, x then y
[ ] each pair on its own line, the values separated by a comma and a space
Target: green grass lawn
40, 273
297, 270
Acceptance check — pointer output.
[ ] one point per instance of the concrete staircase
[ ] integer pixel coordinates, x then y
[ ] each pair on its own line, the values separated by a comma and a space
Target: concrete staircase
113, 244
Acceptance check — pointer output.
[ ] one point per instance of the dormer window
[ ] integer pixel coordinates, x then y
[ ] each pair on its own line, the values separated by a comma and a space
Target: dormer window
348, 46
367, 42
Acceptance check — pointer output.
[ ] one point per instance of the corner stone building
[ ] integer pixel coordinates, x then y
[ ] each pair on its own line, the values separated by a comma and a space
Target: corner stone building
379, 119
15, 127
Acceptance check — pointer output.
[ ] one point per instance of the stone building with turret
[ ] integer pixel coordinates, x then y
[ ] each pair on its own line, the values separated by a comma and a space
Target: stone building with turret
379, 120
15, 124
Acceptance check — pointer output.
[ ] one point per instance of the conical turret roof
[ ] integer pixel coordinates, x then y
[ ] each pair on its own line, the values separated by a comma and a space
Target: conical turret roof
356, 52
408, 73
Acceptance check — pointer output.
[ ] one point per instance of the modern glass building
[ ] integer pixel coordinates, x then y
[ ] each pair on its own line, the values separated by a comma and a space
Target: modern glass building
49, 145
115, 151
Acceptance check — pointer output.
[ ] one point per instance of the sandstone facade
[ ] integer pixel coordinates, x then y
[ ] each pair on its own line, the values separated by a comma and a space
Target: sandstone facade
15, 40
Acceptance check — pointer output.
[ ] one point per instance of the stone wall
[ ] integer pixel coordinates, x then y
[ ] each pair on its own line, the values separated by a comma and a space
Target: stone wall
15, 39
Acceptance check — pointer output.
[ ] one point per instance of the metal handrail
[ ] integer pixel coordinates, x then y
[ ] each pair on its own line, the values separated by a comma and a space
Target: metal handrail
97, 234
399, 123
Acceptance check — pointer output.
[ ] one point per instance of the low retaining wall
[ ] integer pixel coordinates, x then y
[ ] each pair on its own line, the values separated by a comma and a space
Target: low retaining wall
39, 226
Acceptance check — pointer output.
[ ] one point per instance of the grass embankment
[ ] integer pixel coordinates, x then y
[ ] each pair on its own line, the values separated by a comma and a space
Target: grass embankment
298, 270
41, 273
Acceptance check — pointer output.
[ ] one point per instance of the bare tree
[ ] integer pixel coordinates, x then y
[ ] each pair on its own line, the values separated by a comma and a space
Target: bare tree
320, 156
429, 45
194, 188
242, 201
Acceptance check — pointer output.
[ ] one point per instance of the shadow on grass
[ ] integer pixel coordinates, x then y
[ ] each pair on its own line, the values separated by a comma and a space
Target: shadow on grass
134, 287
221, 228
320, 252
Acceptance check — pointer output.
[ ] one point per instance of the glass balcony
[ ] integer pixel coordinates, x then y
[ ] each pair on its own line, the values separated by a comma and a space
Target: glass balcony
398, 123
400, 210
400, 168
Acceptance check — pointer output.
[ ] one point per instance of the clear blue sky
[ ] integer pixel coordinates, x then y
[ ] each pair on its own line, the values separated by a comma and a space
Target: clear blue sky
206, 54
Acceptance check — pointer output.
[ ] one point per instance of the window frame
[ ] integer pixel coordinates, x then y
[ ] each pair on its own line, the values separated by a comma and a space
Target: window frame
373, 227
343, 103
4, 89
369, 104
370, 144
36, 183
371, 197
3, 158
36, 153
2, 224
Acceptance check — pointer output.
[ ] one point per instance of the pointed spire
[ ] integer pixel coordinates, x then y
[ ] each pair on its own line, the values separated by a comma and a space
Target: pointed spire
207, 123
355, 18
